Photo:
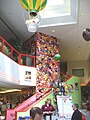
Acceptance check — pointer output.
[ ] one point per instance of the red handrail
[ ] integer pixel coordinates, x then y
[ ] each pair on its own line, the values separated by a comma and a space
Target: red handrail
12, 53
66, 76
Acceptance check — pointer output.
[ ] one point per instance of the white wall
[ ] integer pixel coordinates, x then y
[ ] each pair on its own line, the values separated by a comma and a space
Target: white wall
79, 65
11, 72
89, 68
9, 69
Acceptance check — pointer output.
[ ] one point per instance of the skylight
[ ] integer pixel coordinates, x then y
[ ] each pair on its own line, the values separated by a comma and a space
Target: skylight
52, 2
56, 8
59, 12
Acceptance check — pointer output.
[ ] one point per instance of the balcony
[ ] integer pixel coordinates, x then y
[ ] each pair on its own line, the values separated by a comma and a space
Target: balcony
12, 53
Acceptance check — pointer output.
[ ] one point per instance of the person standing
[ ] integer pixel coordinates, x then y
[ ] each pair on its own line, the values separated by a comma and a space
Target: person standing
77, 115
48, 109
87, 112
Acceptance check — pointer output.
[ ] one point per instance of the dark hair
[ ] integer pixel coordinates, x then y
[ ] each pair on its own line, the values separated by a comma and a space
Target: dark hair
76, 105
34, 111
48, 99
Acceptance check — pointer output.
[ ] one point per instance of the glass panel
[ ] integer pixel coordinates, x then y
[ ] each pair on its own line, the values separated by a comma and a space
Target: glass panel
7, 50
56, 9
27, 60
59, 12
78, 72
15, 56
23, 60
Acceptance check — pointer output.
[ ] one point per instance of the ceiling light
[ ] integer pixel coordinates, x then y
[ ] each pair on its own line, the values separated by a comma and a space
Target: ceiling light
82, 14
32, 27
53, 3
12, 90
53, 30
33, 23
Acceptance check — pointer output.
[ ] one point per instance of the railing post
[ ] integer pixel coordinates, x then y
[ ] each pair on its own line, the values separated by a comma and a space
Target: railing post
19, 59
34, 61
2, 48
11, 53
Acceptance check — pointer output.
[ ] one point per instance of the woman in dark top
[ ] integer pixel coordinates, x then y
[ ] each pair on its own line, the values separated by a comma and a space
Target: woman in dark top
48, 109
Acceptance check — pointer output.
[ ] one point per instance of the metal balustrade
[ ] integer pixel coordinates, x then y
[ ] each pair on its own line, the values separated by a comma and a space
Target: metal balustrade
12, 53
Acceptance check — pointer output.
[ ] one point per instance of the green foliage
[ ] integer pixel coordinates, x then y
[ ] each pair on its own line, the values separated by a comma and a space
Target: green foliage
17, 44
6, 50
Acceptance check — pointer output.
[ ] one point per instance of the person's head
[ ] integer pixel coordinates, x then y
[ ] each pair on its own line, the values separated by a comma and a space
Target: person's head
75, 106
36, 113
48, 101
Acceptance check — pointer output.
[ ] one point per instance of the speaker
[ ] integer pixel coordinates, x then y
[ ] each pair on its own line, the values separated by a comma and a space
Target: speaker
86, 34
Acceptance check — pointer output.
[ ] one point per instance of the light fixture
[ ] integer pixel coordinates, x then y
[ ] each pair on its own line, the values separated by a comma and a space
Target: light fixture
82, 14
12, 90
33, 22
53, 3
32, 27
33, 6
53, 30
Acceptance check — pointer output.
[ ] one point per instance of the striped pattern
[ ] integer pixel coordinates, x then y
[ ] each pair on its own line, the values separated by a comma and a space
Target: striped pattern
36, 5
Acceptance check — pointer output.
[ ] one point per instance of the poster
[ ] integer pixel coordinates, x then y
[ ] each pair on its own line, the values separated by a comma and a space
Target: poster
64, 106
70, 88
27, 75
76, 86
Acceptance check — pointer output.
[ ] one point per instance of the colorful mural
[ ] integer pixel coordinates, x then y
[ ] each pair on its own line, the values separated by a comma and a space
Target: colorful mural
46, 50
48, 69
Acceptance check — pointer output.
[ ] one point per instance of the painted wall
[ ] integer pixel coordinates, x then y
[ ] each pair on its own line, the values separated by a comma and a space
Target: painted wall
11, 72
79, 65
9, 69
76, 94
63, 67
88, 68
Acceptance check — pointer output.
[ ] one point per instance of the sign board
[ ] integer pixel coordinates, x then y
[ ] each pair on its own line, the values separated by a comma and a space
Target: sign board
27, 75
64, 106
